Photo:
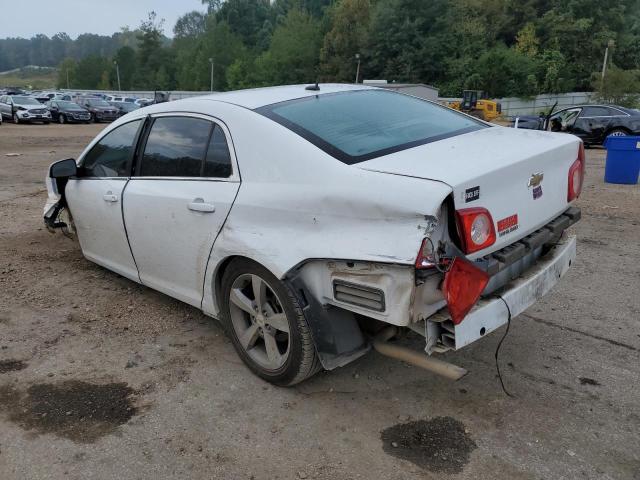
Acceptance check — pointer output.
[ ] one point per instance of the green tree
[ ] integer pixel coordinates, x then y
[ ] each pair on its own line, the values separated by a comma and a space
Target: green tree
347, 37
293, 54
67, 73
89, 72
621, 87
126, 60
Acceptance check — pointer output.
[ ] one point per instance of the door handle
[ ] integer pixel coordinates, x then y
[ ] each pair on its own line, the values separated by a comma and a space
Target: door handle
199, 205
110, 197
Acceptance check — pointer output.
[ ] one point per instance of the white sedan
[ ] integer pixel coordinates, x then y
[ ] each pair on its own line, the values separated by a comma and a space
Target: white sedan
315, 222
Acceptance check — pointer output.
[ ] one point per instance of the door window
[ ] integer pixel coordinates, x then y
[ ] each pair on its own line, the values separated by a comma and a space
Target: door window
111, 156
218, 161
176, 147
596, 112
564, 120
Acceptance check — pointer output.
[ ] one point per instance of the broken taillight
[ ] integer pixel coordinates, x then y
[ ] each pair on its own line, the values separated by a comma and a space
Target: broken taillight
425, 258
476, 230
462, 286
576, 175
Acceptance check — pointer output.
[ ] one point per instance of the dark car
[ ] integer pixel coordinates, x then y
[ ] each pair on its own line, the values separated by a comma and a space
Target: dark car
125, 107
592, 123
99, 110
68, 112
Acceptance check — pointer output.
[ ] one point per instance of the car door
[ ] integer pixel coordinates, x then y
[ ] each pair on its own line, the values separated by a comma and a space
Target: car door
592, 123
5, 107
54, 108
95, 199
564, 121
174, 207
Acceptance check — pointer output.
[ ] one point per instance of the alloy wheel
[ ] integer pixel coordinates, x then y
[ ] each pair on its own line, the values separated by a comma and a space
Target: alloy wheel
259, 321
618, 133
61, 119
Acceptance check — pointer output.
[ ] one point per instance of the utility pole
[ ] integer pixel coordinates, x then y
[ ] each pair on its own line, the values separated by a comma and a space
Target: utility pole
358, 68
211, 62
118, 75
607, 58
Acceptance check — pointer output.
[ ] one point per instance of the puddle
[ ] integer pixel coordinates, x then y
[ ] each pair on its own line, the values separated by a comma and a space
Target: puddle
11, 366
439, 445
82, 412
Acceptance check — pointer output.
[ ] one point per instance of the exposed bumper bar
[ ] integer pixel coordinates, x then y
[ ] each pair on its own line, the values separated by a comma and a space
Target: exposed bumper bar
491, 313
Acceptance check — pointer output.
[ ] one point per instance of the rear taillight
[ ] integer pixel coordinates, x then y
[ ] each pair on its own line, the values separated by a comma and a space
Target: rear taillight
462, 286
476, 230
576, 175
425, 257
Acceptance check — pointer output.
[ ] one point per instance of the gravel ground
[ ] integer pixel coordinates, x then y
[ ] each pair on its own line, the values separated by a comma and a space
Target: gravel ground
102, 378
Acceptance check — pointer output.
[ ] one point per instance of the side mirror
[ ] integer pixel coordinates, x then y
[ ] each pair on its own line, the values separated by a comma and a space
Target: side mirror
63, 169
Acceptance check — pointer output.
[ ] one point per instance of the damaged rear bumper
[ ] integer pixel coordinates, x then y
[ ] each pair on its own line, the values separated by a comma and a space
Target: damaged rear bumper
492, 312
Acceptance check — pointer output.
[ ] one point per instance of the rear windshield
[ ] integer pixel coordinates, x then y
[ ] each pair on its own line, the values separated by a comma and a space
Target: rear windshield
360, 125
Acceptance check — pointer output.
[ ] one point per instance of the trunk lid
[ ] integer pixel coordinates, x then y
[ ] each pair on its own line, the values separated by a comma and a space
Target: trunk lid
520, 176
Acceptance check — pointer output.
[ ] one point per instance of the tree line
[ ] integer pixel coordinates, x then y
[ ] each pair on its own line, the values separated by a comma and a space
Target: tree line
505, 47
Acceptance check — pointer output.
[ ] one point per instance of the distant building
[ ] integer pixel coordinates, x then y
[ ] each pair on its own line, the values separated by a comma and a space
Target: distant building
420, 90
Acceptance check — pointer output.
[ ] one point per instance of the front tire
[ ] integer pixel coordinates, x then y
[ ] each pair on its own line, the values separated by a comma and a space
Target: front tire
16, 119
61, 119
266, 324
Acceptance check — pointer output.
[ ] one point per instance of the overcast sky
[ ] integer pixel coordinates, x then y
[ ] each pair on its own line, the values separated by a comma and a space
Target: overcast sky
74, 17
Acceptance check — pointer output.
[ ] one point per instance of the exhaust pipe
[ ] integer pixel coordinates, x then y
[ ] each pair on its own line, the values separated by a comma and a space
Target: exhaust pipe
417, 359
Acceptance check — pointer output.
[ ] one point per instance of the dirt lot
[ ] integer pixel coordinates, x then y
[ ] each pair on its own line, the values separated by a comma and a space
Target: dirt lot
103, 378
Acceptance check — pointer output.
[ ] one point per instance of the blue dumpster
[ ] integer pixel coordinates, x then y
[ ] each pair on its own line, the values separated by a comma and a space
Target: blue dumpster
623, 160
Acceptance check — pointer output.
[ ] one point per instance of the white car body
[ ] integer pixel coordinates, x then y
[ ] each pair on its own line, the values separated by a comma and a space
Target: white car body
312, 220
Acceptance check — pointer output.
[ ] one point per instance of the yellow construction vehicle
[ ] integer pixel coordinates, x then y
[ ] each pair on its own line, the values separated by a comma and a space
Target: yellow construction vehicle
475, 102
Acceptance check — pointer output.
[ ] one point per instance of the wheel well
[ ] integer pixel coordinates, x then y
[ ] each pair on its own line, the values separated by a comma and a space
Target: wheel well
618, 128
222, 267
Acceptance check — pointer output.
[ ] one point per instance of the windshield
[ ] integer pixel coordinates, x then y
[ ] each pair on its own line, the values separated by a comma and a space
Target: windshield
25, 101
69, 105
360, 125
98, 103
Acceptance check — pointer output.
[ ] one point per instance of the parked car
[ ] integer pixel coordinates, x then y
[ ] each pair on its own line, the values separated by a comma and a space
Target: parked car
125, 107
62, 96
68, 112
592, 123
99, 109
21, 109
317, 222
44, 97
120, 98
143, 102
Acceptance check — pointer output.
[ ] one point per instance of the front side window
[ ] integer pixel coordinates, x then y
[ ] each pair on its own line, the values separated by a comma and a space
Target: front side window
176, 147
360, 125
111, 156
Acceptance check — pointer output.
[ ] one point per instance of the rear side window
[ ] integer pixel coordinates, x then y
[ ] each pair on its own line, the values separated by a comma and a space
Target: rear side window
176, 147
218, 161
111, 156
359, 125
596, 112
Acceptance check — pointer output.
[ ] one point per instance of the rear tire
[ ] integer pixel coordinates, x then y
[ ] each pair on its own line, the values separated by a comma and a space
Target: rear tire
242, 318
618, 132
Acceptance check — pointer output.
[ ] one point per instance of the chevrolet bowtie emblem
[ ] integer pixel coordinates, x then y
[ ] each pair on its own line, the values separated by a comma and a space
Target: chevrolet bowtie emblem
535, 179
